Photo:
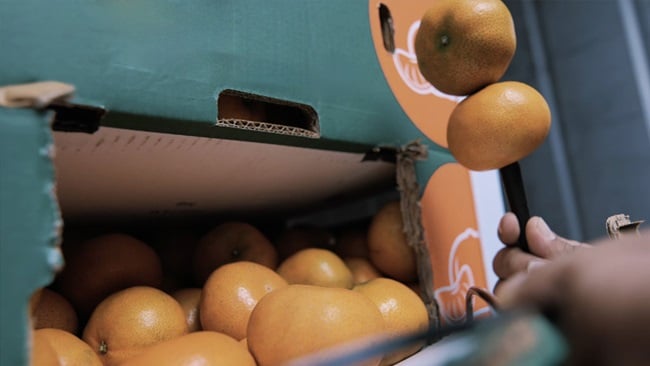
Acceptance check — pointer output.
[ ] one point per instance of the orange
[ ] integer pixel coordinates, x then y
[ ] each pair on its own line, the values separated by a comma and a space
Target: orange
198, 348
189, 299
41, 352
352, 242
464, 45
132, 319
231, 293
389, 251
294, 239
498, 125
403, 311
315, 266
299, 320
51, 310
231, 242
70, 350
103, 265
361, 268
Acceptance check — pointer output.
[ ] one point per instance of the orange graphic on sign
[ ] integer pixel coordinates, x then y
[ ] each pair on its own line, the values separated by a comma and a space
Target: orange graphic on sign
451, 232
428, 108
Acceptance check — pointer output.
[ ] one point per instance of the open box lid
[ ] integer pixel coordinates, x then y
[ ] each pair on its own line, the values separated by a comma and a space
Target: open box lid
128, 173
170, 60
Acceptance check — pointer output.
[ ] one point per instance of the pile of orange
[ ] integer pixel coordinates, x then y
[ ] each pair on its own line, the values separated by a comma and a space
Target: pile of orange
225, 296
229, 295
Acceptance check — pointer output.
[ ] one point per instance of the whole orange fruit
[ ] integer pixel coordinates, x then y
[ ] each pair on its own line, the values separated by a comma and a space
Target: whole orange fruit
198, 348
361, 268
498, 125
41, 352
293, 239
51, 310
230, 294
103, 265
402, 309
231, 242
70, 350
464, 45
189, 298
299, 320
315, 266
130, 320
388, 248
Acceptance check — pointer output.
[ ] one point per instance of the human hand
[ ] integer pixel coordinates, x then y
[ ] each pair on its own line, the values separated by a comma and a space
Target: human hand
598, 298
543, 244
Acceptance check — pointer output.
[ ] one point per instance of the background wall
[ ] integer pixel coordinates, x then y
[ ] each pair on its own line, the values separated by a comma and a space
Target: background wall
589, 58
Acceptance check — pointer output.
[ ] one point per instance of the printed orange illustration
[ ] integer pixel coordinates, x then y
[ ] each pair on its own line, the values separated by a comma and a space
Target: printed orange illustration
451, 232
428, 108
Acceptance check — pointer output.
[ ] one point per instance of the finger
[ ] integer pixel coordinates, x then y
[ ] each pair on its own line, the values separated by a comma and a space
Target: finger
508, 230
510, 260
541, 288
507, 286
543, 242
497, 287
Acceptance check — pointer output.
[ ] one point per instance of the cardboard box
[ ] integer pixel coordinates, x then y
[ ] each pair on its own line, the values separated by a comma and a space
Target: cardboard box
162, 75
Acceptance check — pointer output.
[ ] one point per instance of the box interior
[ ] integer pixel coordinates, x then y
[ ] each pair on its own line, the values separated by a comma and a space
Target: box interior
117, 175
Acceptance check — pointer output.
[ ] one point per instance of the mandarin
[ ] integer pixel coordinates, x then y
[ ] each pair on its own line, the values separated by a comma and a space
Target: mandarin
198, 348
52, 310
230, 294
498, 125
315, 266
402, 309
41, 352
362, 269
232, 242
103, 265
70, 350
189, 299
128, 321
464, 45
298, 320
389, 251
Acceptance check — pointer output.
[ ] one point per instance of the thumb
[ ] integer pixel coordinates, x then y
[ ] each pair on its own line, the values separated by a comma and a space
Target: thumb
543, 242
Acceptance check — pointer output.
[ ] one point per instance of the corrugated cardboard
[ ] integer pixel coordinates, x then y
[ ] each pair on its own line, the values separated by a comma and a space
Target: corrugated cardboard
157, 69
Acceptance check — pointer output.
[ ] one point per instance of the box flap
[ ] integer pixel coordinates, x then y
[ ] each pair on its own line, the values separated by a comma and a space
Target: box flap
127, 173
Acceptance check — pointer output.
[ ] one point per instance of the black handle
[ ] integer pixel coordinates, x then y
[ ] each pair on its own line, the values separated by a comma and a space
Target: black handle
513, 184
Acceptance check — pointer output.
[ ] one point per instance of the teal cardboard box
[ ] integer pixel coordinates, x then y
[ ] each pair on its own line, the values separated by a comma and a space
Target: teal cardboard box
214, 108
